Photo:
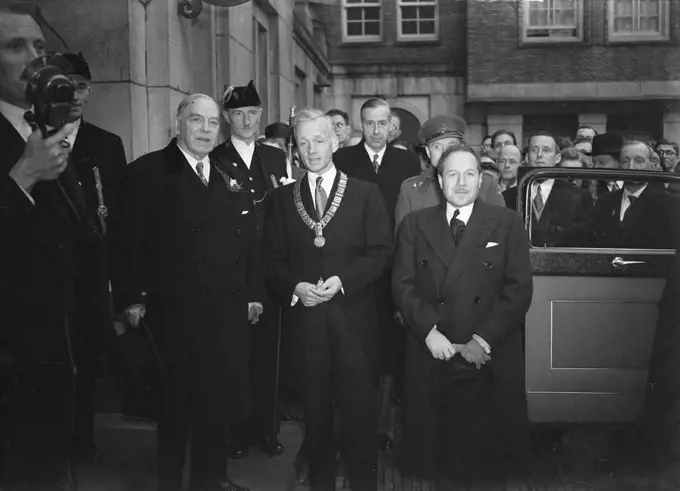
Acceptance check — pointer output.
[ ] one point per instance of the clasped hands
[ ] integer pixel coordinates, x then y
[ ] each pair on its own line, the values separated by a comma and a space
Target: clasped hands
442, 349
311, 295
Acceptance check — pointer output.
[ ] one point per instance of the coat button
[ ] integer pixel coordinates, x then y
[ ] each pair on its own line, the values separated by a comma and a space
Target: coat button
440, 300
424, 262
238, 261
477, 299
237, 292
238, 231
195, 230
488, 266
199, 264
199, 294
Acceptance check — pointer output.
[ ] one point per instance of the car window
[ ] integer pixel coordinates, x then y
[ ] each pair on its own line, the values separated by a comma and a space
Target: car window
581, 211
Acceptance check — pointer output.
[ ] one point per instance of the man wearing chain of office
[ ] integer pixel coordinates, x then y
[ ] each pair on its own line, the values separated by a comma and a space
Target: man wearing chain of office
327, 241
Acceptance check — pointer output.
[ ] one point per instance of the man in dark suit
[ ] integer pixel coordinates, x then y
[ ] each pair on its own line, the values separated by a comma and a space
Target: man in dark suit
375, 161
642, 215
99, 159
49, 278
462, 280
327, 241
188, 265
259, 169
561, 212
606, 154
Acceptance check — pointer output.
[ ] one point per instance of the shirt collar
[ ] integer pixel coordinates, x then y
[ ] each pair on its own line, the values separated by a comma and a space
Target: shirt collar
465, 212
14, 114
371, 152
328, 177
238, 143
546, 186
192, 160
637, 193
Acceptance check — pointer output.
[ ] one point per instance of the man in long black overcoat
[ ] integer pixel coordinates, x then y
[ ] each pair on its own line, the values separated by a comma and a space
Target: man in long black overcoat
185, 263
462, 280
327, 242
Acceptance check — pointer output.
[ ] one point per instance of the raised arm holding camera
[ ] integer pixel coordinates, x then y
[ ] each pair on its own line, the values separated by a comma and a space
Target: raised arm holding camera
47, 279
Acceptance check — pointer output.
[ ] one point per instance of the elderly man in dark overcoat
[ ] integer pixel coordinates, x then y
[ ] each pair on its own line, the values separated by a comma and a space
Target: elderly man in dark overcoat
462, 280
327, 242
185, 262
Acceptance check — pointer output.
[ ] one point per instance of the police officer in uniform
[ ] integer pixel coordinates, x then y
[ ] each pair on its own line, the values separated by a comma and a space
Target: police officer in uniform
423, 191
258, 169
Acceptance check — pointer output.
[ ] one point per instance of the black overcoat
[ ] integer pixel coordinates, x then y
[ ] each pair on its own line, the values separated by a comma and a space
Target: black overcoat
187, 252
484, 287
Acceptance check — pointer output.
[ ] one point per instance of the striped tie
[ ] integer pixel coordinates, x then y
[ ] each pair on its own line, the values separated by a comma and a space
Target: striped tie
199, 171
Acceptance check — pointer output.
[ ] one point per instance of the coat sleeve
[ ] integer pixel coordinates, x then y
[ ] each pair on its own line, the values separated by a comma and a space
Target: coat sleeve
420, 317
403, 207
130, 240
379, 246
513, 302
279, 277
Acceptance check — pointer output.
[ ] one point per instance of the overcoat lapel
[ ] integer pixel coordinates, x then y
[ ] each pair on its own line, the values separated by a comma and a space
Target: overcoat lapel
436, 231
480, 225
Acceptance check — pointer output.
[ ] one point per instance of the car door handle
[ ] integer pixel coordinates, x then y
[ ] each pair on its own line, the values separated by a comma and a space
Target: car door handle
618, 262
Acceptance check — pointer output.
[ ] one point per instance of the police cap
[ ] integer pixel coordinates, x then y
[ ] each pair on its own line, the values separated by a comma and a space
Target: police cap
441, 127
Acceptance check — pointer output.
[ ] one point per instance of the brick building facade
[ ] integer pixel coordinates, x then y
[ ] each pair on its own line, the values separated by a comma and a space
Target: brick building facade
515, 64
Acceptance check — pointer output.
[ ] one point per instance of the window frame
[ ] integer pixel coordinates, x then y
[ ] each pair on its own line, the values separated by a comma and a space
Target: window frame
524, 26
417, 37
346, 38
663, 36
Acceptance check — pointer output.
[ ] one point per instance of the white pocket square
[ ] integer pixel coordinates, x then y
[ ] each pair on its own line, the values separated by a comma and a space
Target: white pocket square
245, 212
491, 244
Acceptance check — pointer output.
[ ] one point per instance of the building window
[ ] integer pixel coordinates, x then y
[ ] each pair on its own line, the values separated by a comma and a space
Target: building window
361, 20
638, 20
553, 21
418, 20
261, 63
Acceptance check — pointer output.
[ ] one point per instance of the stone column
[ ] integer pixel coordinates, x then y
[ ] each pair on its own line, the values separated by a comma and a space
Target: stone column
596, 121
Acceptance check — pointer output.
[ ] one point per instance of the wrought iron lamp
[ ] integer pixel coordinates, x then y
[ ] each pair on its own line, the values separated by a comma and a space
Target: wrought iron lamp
191, 9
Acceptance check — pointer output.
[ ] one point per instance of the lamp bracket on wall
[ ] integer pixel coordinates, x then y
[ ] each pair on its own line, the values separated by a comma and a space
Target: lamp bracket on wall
191, 9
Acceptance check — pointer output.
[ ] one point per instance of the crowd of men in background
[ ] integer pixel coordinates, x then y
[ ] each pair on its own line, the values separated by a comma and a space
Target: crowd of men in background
237, 260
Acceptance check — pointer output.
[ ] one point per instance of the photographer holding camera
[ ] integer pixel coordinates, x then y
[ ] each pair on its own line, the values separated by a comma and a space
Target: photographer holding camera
49, 270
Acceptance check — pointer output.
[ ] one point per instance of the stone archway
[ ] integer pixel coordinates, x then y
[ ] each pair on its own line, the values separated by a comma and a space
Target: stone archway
409, 125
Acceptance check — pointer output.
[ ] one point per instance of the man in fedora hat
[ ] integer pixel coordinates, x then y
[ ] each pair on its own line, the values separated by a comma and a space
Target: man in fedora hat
258, 169
606, 153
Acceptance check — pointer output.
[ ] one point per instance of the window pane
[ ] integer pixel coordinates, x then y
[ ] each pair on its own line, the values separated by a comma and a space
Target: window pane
538, 18
409, 12
372, 28
649, 24
565, 18
623, 7
409, 27
372, 13
353, 14
427, 27
354, 29
649, 7
427, 13
623, 24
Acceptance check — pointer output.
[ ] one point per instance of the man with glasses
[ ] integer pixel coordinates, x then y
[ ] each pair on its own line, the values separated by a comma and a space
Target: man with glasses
343, 130
668, 151
99, 160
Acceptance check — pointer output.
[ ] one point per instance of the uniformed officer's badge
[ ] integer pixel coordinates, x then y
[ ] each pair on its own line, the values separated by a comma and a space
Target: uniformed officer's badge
232, 184
227, 93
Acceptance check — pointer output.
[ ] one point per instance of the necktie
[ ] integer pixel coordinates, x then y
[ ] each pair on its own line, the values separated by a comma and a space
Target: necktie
199, 171
539, 204
457, 227
615, 187
321, 198
376, 167
632, 200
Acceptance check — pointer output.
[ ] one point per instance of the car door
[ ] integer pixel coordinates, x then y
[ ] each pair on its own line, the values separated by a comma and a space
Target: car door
591, 324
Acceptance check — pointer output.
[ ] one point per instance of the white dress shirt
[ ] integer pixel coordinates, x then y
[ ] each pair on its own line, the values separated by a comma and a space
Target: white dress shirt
244, 150
15, 116
193, 163
546, 188
380, 153
610, 185
326, 184
71, 138
625, 201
